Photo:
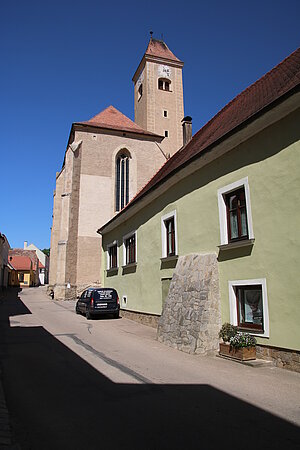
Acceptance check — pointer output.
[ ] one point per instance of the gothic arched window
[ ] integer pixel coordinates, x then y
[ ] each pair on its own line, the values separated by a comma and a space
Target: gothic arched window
122, 180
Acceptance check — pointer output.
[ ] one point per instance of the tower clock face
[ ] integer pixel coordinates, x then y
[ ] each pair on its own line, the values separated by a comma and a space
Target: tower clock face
164, 71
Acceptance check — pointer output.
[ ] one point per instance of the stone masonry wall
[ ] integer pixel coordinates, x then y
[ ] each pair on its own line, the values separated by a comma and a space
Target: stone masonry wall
191, 316
283, 358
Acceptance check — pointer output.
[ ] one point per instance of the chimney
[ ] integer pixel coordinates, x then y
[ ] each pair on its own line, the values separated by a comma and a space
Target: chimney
25, 244
187, 129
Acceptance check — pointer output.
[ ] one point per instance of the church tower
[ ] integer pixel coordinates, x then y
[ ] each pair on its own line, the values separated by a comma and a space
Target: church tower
158, 95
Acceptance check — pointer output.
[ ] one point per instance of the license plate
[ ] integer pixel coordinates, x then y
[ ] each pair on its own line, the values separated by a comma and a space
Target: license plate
102, 305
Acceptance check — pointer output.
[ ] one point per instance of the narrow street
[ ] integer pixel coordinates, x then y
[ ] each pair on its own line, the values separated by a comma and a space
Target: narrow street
73, 384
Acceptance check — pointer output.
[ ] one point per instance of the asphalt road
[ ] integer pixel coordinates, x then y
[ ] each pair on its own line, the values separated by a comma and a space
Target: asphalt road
108, 384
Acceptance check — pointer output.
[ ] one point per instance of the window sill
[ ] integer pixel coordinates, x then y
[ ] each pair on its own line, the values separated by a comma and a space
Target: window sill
237, 244
169, 258
112, 271
127, 266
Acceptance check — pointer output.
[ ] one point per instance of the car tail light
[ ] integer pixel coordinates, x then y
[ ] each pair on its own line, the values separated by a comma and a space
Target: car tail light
92, 302
118, 301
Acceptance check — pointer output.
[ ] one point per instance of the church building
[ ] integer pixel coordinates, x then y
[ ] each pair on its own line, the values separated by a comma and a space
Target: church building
108, 159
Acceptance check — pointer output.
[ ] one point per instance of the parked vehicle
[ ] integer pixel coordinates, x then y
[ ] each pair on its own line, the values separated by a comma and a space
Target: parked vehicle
98, 301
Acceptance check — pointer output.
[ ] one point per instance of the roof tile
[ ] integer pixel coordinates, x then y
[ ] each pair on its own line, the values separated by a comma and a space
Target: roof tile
113, 119
160, 49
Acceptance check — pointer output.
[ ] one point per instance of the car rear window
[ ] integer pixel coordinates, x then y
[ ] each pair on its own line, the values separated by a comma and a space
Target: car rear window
107, 294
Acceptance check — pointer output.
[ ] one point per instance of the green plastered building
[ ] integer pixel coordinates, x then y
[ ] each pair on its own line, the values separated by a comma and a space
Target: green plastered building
213, 237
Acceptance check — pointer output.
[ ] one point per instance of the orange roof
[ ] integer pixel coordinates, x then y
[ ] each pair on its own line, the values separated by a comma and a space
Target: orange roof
160, 49
113, 119
20, 262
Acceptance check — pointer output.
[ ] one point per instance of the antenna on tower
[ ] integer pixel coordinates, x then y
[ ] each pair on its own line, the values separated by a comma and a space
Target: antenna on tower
151, 33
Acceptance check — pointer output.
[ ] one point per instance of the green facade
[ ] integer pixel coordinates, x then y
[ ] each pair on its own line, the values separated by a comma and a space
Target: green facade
270, 161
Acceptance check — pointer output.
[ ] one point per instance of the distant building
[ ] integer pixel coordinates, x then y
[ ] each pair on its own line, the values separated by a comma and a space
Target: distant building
26, 265
44, 262
22, 271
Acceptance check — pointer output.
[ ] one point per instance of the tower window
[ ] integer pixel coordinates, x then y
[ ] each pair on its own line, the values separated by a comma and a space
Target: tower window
163, 84
166, 133
165, 113
140, 92
122, 181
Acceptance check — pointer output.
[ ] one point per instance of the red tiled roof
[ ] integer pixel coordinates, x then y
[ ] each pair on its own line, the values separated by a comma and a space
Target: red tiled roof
253, 100
20, 262
113, 119
160, 49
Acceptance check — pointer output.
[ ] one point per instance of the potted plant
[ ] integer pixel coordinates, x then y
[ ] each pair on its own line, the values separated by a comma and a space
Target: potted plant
226, 333
243, 346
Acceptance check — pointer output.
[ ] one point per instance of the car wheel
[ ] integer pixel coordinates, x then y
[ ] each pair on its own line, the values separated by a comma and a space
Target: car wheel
88, 315
116, 315
77, 311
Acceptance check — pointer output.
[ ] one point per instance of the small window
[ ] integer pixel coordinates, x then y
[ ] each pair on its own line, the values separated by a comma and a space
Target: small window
249, 306
236, 215
21, 277
140, 92
166, 133
169, 235
112, 251
129, 249
163, 84
165, 113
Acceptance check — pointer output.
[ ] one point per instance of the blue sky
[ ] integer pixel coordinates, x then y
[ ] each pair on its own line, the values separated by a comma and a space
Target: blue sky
66, 61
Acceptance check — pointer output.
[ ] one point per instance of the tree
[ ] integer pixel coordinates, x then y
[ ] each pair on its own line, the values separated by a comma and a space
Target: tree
46, 251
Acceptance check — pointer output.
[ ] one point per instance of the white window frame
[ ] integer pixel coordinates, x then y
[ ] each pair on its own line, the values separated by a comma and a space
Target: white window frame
233, 309
223, 212
128, 235
108, 259
164, 233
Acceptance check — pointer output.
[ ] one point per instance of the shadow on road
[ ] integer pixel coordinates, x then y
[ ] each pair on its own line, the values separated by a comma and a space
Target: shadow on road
58, 401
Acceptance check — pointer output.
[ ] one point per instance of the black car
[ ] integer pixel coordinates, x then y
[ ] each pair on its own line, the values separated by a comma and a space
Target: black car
98, 301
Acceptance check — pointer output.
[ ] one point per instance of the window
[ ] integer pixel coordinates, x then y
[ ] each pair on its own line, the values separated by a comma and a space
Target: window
112, 256
249, 306
170, 230
163, 84
140, 92
122, 180
21, 277
235, 213
165, 113
169, 235
129, 249
166, 133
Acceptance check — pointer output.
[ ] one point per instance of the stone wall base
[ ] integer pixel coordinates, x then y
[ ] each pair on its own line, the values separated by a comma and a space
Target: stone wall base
280, 357
150, 320
63, 292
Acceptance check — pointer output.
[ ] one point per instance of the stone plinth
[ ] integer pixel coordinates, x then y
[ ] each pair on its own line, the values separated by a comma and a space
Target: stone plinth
191, 316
